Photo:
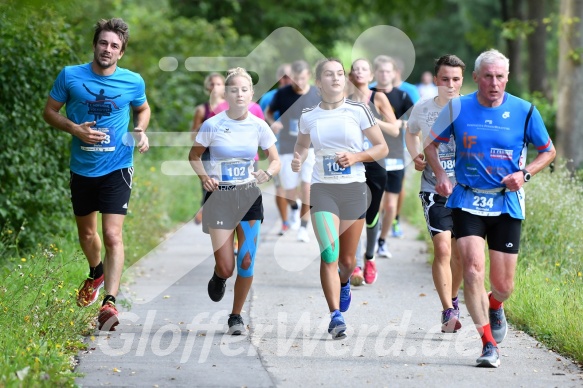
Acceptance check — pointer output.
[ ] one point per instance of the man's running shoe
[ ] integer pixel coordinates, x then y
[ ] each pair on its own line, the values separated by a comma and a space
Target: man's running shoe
370, 271
107, 317
337, 326
216, 288
345, 297
450, 321
498, 324
303, 235
284, 228
490, 357
295, 221
357, 278
236, 325
383, 251
89, 291
396, 229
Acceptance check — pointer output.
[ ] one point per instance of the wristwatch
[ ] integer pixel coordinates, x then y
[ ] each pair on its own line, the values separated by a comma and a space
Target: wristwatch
269, 175
527, 175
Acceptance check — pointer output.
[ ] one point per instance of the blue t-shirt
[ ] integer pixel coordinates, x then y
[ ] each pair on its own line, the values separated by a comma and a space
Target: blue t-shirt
490, 144
106, 100
266, 100
411, 90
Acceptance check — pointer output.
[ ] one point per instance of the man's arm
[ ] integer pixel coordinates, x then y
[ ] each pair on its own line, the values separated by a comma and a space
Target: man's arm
515, 180
413, 144
443, 186
141, 115
83, 131
275, 125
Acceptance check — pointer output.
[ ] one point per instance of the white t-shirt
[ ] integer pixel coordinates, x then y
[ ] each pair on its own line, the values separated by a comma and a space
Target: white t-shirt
422, 118
233, 145
337, 130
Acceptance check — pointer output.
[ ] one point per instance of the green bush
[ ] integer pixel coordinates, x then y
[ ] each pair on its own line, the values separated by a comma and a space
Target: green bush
34, 199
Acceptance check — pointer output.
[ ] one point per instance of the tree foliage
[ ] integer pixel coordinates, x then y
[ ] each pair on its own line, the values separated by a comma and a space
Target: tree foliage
34, 198
38, 38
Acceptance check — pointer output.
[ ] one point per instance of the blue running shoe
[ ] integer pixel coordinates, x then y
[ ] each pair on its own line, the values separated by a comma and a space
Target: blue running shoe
345, 297
396, 229
337, 325
455, 303
498, 324
490, 357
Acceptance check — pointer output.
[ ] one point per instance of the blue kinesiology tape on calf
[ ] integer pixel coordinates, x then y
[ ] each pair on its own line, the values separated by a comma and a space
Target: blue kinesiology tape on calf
249, 247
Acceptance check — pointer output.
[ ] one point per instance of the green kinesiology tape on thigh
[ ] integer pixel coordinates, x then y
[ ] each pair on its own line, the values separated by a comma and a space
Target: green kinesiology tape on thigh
329, 248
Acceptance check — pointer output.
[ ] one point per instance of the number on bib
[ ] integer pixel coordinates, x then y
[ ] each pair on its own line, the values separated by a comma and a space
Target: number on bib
483, 202
332, 168
231, 171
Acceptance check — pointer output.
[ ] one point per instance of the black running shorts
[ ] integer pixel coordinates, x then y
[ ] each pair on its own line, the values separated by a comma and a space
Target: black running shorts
437, 217
108, 194
394, 181
501, 232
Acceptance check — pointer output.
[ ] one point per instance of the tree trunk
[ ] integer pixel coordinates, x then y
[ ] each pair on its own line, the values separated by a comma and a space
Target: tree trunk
537, 53
569, 140
512, 9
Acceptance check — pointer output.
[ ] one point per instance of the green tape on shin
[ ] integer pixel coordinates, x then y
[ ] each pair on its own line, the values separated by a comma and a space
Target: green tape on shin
329, 249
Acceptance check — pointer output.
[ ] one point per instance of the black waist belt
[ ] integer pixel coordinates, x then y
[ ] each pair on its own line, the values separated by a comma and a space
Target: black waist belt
243, 186
495, 190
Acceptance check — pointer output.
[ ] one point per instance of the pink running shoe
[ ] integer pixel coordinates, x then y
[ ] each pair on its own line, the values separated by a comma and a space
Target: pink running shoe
370, 271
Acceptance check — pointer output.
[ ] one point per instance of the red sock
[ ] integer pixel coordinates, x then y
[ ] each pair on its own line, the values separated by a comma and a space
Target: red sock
494, 304
487, 335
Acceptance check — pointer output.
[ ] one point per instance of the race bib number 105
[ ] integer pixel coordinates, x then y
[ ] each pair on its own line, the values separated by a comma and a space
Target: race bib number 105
332, 168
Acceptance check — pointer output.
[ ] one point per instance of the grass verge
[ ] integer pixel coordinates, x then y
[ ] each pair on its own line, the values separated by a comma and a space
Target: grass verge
42, 327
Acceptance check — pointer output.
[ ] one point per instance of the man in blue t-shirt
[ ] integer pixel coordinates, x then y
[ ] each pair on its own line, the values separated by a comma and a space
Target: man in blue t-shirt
491, 129
99, 97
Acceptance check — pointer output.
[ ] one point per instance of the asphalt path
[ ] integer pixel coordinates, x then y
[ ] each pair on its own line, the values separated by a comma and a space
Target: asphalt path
172, 334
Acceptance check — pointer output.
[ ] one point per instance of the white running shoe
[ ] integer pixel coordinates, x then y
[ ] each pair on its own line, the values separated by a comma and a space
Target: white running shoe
383, 251
303, 234
294, 219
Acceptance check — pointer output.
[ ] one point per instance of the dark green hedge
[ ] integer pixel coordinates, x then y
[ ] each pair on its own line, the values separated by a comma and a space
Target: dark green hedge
34, 158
